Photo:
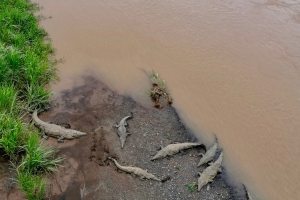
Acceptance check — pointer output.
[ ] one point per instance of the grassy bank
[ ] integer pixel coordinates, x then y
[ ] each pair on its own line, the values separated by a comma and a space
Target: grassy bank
25, 71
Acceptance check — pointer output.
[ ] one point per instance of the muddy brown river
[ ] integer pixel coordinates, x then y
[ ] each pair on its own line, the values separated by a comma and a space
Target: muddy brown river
232, 68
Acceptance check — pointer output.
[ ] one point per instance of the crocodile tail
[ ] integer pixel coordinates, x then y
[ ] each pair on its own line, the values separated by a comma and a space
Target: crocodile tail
157, 179
153, 158
34, 114
110, 158
36, 118
115, 162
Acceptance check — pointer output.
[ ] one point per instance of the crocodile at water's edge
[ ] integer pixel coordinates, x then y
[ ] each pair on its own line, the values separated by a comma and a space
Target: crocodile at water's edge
210, 172
209, 155
54, 130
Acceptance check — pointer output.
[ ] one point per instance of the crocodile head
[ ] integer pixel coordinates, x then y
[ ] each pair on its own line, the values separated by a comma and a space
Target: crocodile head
201, 183
76, 134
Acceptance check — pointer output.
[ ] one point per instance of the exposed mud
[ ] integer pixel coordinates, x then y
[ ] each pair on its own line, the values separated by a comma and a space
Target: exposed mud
87, 174
8, 188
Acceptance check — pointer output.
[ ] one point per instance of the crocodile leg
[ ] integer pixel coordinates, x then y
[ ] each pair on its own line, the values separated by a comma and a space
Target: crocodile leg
182, 152
208, 187
60, 139
45, 137
119, 133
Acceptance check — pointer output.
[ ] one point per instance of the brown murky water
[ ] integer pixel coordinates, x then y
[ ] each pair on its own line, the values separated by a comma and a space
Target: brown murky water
232, 67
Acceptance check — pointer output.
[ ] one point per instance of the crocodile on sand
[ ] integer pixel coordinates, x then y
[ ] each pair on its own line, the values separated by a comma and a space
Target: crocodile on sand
172, 149
209, 155
210, 172
143, 174
54, 130
122, 129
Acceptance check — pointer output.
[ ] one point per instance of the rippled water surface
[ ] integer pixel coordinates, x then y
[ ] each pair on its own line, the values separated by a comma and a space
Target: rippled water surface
232, 67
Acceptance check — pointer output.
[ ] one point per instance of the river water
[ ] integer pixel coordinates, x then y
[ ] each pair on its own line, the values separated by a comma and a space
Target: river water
232, 68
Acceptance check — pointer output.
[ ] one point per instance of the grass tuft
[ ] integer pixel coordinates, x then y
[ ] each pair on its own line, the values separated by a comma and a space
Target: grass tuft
10, 130
32, 185
158, 91
39, 159
8, 97
155, 79
37, 97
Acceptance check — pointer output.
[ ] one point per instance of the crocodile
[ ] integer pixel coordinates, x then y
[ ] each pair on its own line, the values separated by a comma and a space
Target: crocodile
210, 172
209, 155
143, 174
54, 130
122, 129
172, 149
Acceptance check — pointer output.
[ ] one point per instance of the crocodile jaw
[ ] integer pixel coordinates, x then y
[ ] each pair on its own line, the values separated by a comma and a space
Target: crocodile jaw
78, 134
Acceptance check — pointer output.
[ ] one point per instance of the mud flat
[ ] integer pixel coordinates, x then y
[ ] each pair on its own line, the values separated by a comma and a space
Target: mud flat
88, 174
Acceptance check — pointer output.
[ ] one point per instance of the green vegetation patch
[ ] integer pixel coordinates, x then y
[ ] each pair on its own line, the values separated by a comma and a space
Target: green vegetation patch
11, 133
26, 68
158, 92
24, 53
38, 158
32, 185
191, 187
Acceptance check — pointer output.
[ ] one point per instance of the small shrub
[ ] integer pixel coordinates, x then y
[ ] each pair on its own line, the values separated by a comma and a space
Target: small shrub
159, 91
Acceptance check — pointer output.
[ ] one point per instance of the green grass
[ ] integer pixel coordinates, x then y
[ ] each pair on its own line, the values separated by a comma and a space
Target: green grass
191, 187
38, 158
11, 131
8, 98
155, 79
24, 54
33, 186
26, 68
158, 89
